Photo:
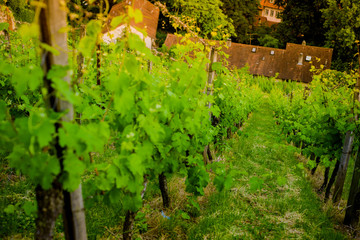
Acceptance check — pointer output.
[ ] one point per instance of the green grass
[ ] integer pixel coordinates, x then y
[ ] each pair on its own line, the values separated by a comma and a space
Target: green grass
271, 198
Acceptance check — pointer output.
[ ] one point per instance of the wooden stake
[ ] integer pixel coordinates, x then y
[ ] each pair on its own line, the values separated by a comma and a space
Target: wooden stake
52, 22
209, 91
353, 203
344, 161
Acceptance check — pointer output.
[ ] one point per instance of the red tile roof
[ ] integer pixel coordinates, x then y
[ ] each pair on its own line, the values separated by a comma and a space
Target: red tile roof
150, 15
266, 3
267, 61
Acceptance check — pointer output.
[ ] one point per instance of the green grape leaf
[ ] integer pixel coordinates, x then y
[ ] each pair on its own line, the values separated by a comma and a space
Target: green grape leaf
311, 164
180, 142
103, 183
116, 21
46, 168
93, 28
87, 45
138, 17
49, 48
136, 165
74, 169
68, 137
216, 66
132, 202
92, 112
20, 80
152, 128
115, 196
29, 31
6, 68
10, 209
185, 216
197, 180
41, 127
30, 208
117, 82
124, 103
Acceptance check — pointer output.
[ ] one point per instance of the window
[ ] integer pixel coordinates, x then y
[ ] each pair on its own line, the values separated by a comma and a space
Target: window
271, 13
277, 14
271, 1
266, 12
301, 59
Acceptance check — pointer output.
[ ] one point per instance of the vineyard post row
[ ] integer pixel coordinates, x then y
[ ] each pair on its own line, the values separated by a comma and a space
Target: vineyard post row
352, 213
160, 121
322, 120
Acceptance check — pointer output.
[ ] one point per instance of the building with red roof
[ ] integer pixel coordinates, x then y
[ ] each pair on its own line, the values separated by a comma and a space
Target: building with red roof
269, 11
149, 24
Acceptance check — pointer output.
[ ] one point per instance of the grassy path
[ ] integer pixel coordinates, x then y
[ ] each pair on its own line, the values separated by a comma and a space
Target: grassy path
271, 198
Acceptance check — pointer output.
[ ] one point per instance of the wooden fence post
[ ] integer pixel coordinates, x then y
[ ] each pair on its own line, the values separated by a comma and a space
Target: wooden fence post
50, 202
353, 204
209, 91
344, 161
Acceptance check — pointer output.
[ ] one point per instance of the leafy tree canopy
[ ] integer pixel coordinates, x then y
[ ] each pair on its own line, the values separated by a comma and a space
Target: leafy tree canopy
21, 9
242, 13
302, 20
342, 22
206, 16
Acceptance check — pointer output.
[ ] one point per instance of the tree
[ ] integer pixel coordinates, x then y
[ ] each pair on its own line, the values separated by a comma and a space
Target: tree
269, 41
302, 20
206, 17
342, 23
242, 13
21, 9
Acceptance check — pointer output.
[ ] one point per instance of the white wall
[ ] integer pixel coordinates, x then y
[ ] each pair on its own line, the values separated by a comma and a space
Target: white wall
270, 14
119, 32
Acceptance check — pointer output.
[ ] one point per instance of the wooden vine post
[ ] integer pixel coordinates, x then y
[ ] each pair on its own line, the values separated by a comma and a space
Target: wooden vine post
345, 156
344, 161
129, 222
209, 91
353, 204
54, 201
164, 190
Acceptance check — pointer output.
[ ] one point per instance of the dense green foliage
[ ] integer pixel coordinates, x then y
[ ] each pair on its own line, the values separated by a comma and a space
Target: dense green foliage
148, 113
317, 118
242, 13
302, 21
21, 9
207, 18
152, 120
342, 23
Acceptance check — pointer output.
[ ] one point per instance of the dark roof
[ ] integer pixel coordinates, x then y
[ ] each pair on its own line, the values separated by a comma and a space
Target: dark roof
292, 63
267, 3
